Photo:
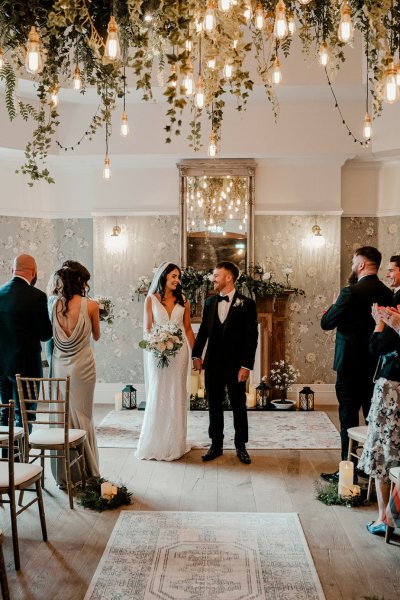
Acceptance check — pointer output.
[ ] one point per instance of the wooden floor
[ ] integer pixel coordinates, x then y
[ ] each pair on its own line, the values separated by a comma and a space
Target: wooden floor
351, 563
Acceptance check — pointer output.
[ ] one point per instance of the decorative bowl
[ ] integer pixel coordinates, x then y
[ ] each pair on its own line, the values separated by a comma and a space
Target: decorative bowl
283, 406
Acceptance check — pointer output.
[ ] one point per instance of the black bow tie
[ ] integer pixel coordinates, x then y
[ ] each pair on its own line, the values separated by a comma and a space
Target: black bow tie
220, 298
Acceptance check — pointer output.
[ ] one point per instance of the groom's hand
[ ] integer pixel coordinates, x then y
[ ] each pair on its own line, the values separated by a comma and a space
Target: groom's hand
243, 374
197, 364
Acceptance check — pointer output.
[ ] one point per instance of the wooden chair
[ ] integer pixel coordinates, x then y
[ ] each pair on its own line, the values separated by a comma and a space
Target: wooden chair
16, 477
357, 437
45, 407
3, 573
18, 438
394, 476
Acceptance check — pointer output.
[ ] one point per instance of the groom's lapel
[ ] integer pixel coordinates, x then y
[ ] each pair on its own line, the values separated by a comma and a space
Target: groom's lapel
228, 316
211, 314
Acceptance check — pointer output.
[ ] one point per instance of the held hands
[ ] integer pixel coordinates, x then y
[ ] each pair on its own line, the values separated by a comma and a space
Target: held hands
243, 374
197, 364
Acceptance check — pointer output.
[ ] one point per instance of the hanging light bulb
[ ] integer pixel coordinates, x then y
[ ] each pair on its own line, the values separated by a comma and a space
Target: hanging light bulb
212, 146
188, 45
228, 70
54, 97
323, 54
209, 17
248, 11
304, 2
76, 79
346, 30
291, 24
173, 79
259, 19
188, 82
224, 5
276, 72
211, 63
2, 59
124, 130
33, 60
199, 98
280, 25
107, 169
112, 50
391, 91
367, 129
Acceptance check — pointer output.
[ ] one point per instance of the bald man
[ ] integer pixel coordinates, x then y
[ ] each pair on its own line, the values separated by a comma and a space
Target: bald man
24, 323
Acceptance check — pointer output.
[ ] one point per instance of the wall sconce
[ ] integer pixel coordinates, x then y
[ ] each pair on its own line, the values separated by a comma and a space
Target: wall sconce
116, 241
318, 239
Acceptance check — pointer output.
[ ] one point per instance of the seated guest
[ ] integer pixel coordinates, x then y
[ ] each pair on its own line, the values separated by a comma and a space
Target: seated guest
382, 447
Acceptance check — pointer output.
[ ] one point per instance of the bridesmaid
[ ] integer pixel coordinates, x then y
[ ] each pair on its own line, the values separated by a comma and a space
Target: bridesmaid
75, 320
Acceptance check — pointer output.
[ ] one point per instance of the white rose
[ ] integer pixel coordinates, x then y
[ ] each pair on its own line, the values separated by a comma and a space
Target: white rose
170, 345
267, 276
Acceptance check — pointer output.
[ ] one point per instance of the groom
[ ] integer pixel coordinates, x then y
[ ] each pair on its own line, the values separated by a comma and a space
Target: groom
229, 324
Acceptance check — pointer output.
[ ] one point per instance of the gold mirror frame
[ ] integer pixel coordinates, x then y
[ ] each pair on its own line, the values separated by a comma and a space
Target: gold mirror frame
220, 167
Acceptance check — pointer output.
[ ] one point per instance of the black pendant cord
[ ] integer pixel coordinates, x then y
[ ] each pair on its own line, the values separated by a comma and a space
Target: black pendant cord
87, 132
355, 139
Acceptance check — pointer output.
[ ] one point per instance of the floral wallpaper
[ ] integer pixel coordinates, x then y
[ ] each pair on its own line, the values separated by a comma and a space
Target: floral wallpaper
389, 239
144, 243
285, 241
356, 232
50, 241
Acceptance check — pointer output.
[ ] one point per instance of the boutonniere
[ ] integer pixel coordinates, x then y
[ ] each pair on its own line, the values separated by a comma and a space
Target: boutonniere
238, 302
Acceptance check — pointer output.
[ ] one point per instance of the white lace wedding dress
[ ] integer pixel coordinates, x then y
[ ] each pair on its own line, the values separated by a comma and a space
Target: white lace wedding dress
163, 434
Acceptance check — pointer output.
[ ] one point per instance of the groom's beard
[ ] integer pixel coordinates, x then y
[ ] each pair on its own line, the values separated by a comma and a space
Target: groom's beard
352, 279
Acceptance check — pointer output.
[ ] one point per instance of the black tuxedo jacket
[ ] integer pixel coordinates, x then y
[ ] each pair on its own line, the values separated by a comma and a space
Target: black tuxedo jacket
239, 334
24, 322
396, 299
351, 315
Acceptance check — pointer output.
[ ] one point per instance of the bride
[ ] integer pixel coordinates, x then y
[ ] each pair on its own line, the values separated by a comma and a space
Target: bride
163, 434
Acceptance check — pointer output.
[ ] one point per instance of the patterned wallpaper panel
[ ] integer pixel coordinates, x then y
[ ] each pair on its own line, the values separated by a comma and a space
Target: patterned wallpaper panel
49, 241
283, 241
356, 232
389, 239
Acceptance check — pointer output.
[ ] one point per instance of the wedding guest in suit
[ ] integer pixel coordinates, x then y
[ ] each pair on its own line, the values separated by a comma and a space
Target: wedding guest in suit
353, 363
393, 277
24, 323
381, 450
229, 325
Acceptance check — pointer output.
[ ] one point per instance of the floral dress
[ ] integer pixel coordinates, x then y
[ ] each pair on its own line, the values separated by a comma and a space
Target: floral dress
382, 447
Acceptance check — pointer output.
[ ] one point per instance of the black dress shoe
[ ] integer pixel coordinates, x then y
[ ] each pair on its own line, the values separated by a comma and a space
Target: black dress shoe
330, 477
213, 452
243, 455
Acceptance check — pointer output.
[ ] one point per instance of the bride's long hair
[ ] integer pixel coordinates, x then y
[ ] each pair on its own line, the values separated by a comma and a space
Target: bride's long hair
162, 282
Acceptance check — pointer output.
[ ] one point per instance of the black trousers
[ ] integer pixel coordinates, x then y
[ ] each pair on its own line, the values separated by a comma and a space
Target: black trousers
353, 391
215, 382
9, 391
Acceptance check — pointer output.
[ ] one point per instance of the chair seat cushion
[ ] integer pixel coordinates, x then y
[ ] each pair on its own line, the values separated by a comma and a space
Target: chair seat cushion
22, 472
358, 433
18, 432
394, 473
54, 436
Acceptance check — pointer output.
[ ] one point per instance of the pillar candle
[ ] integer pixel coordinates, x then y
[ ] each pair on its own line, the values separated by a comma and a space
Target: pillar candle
250, 400
200, 393
346, 474
355, 490
114, 490
106, 489
118, 401
194, 384
253, 393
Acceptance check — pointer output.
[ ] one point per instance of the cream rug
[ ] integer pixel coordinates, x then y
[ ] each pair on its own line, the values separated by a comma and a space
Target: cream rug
206, 556
267, 430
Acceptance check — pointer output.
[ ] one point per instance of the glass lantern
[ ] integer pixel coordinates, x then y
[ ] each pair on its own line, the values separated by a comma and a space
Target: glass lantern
129, 397
263, 396
306, 399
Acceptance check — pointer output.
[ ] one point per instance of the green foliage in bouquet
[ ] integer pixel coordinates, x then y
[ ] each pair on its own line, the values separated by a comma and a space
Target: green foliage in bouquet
328, 494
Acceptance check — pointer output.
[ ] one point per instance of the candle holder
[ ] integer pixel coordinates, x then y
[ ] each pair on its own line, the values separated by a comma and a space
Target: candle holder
263, 395
306, 399
129, 397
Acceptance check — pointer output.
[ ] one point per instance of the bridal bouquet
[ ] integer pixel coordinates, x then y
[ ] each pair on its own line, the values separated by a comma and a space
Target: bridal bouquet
163, 341
106, 309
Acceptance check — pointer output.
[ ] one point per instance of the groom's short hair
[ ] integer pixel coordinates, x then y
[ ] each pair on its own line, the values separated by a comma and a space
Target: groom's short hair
229, 266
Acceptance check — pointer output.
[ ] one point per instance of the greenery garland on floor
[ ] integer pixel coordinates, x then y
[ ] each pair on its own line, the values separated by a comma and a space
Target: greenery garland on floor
328, 494
91, 496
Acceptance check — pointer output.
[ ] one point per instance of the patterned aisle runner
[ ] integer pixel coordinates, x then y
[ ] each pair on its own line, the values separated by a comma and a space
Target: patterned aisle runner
206, 556
267, 430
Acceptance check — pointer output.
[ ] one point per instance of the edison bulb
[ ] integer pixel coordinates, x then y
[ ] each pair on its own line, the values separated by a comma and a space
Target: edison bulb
76, 79
33, 61
276, 72
107, 169
391, 90
259, 17
346, 30
280, 26
112, 49
199, 98
209, 17
367, 128
323, 54
212, 146
124, 125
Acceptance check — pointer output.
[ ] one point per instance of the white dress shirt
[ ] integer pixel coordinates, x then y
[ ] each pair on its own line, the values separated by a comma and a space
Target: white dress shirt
224, 306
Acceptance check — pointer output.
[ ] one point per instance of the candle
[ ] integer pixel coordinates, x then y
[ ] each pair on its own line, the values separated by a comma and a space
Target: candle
106, 489
250, 400
194, 384
114, 490
118, 401
200, 393
355, 490
346, 474
253, 393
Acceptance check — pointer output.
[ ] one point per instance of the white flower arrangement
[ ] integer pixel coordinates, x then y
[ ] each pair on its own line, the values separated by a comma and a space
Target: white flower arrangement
163, 341
106, 309
142, 286
283, 375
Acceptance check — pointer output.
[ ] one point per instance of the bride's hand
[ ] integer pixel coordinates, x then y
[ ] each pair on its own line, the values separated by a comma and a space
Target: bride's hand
197, 364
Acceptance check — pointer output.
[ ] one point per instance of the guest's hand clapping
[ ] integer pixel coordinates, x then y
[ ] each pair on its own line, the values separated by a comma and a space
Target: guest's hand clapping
390, 316
376, 314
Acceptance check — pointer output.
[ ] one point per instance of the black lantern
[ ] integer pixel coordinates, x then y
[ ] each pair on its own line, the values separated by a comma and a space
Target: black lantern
306, 399
129, 397
263, 395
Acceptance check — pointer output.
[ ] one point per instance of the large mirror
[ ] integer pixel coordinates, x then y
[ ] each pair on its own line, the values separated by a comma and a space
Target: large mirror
217, 212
